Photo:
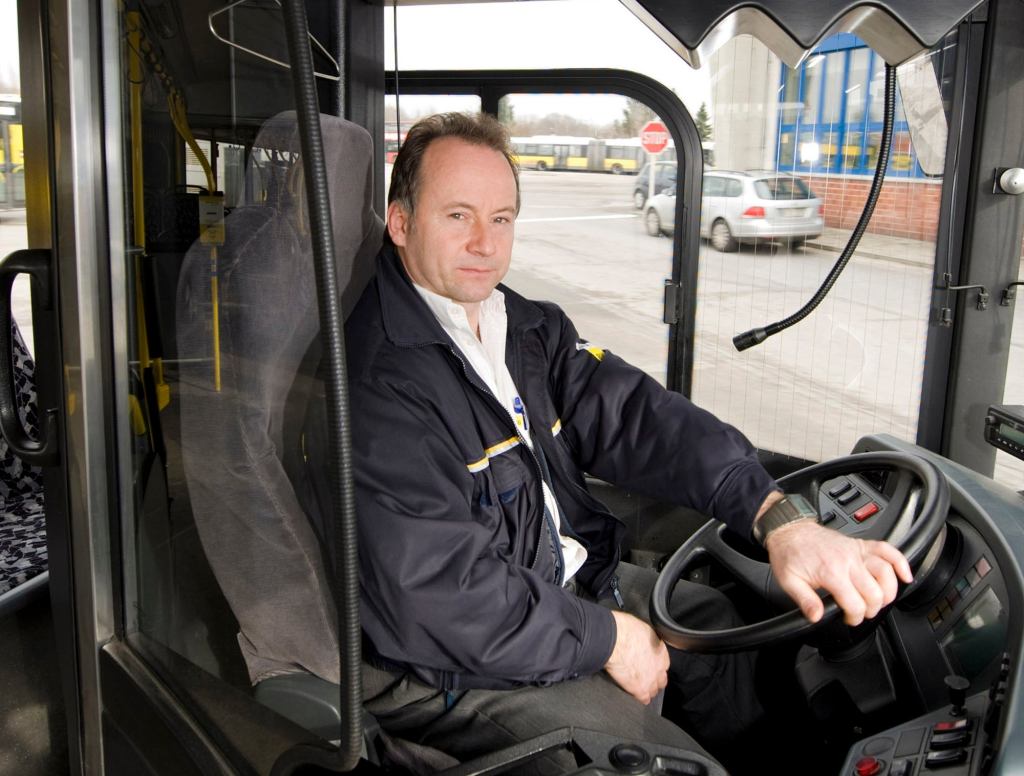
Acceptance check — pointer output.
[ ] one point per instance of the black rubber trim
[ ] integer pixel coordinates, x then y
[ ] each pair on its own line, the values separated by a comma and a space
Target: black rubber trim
340, 529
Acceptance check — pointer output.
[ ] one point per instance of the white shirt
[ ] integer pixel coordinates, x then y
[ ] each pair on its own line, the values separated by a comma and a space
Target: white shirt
487, 357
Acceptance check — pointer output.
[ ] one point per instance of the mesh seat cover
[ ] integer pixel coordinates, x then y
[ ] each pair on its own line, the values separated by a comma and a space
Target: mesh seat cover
258, 538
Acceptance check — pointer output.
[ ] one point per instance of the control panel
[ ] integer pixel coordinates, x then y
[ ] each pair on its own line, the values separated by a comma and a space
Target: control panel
851, 502
953, 741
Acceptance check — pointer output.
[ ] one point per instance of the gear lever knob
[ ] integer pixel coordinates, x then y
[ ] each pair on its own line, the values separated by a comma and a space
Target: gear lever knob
957, 686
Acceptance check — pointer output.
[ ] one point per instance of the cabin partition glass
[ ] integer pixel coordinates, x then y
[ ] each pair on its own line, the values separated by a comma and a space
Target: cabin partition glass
226, 562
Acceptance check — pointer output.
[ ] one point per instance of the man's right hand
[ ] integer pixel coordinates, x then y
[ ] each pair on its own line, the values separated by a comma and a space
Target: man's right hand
639, 660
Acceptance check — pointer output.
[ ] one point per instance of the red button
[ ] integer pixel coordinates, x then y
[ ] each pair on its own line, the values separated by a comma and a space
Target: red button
865, 512
868, 766
959, 724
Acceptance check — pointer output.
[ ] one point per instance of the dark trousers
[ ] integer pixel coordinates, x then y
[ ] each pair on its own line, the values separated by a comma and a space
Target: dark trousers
712, 695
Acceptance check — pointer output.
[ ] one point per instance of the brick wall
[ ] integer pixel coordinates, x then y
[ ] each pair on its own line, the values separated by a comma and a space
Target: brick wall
904, 208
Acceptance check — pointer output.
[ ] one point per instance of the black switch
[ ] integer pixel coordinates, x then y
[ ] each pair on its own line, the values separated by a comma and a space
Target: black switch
957, 687
840, 489
828, 517
629, 758
848, 497
945, 758
949, 740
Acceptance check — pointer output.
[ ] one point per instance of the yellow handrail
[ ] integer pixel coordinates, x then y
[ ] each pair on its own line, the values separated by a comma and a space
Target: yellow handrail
213, 237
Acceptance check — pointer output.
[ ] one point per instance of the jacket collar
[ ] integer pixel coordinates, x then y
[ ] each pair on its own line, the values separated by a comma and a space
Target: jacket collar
408, 322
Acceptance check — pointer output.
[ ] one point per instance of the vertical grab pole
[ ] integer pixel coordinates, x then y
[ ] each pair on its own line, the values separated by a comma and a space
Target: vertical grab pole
343, 515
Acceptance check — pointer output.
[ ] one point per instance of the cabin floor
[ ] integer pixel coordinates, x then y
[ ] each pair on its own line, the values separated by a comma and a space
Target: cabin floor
33, 728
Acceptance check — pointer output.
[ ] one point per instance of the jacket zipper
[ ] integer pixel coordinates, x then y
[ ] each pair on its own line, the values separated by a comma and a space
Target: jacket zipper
614, 582
548, 520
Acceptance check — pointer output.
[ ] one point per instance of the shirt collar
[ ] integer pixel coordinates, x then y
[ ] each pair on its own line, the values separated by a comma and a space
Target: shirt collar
410, 324
452, 315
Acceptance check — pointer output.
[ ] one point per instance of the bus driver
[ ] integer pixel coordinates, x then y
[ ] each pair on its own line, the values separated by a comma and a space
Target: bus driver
493, 599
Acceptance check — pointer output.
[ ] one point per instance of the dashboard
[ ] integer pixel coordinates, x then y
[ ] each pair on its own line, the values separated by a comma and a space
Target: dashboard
959, 636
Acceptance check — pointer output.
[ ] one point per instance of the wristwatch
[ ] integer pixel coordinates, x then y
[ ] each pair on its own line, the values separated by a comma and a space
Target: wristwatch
788, 509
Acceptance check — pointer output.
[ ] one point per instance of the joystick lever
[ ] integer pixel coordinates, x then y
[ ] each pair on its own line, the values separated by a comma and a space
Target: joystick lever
957, 686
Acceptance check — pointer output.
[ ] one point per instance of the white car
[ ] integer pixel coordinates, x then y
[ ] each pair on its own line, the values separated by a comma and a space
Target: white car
746, 206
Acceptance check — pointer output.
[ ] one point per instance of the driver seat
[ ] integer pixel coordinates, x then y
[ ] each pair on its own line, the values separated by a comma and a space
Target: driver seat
259, 503
260, 528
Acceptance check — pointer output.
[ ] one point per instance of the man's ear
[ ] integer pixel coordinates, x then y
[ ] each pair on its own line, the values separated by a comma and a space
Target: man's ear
398, 223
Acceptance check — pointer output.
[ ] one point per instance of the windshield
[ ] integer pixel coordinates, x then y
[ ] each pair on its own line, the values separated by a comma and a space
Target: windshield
594, 244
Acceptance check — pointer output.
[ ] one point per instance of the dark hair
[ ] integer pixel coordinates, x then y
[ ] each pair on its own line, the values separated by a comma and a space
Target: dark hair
480, 129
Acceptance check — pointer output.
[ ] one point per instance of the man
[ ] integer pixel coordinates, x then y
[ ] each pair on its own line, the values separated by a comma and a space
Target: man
493, 599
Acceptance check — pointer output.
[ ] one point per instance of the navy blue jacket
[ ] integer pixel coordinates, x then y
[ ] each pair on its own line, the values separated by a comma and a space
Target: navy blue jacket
460, 577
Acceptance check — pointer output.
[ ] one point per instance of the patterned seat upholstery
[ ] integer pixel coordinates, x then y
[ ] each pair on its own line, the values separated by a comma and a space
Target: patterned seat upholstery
22, 518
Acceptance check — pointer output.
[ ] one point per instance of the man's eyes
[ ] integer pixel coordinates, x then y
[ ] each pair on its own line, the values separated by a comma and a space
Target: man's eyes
459, 216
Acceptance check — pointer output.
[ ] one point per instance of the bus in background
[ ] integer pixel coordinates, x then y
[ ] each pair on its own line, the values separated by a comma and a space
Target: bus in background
553, 152
623, 155
392, 142
559, 152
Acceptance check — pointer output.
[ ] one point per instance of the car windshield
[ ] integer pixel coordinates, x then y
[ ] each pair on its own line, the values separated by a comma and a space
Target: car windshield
782, 188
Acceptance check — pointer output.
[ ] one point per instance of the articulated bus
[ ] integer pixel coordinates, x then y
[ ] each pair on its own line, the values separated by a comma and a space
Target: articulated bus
199, 206
557, 152
392, 142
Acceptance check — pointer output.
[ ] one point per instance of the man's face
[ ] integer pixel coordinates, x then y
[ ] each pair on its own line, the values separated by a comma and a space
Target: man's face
458, 240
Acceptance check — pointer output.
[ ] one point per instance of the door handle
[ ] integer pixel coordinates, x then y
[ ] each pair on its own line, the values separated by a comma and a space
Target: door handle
34, 262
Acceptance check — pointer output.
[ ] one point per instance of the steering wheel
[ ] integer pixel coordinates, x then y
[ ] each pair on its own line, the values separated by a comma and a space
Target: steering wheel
912, 517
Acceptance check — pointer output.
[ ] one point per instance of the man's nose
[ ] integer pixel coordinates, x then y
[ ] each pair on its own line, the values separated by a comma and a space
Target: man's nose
481, 241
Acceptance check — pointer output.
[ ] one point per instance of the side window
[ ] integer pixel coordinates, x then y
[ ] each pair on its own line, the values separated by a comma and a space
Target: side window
585, 210
733, 188
714, 186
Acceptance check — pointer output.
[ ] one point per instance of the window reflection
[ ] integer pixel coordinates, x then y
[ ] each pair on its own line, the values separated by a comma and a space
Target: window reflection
857, 84
810, 92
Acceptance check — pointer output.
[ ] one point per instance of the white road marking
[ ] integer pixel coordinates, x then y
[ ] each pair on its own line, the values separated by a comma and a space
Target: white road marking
574, 218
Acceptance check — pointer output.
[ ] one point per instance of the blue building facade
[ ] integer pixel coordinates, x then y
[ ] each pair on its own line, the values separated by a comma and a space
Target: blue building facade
831, 111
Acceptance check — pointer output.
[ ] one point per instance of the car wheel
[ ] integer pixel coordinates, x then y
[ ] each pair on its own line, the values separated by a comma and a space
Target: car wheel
639, 198
721, 237
542, 165
616, 169
653, 222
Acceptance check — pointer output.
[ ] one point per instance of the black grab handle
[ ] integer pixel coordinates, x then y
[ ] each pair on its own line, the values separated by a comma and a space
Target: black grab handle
34, 262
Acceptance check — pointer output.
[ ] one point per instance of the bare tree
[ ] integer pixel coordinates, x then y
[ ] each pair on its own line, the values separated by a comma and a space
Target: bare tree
634, 116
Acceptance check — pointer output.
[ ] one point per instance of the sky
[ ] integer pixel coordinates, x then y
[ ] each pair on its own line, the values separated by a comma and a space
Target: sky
544, 34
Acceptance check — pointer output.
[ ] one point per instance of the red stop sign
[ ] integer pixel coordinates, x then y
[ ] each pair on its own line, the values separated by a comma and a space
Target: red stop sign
654, 137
